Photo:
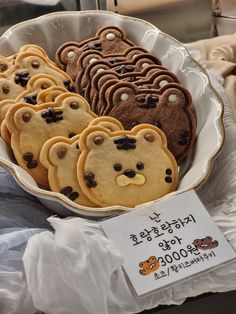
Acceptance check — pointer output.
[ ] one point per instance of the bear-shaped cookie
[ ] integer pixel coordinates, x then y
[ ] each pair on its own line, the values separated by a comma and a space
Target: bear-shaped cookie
40, 88
59, 155
152, 76
109, 40
32, 126
125, 168
136, 64
14, 81
37, 83
169, 108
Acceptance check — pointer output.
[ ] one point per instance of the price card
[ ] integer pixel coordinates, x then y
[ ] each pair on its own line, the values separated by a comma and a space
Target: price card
167, 242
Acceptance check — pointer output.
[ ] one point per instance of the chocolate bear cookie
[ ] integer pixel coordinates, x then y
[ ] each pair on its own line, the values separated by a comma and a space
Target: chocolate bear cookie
109, 40
152, 76
14, 81
139, 169
137, 64
59, 155
88, 57
32, 126
169, 108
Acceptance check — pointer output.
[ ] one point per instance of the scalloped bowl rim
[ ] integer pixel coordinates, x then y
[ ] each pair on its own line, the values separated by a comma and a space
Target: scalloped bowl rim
106, 211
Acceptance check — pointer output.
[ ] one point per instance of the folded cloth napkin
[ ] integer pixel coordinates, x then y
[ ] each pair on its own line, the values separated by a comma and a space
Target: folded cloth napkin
219, 54
78, 270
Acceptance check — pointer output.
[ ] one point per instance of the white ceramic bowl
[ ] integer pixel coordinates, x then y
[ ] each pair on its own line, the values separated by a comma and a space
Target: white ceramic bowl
51, 30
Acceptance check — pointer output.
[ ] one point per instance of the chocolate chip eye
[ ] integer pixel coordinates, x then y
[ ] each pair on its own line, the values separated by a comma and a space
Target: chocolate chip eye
71, 134
117, 167
157, 124
139, 165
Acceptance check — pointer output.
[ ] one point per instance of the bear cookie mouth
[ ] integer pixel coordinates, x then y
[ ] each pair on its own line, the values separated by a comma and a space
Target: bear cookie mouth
137, 179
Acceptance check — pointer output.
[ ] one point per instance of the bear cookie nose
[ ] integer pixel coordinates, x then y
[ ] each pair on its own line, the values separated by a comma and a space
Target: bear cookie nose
129, 173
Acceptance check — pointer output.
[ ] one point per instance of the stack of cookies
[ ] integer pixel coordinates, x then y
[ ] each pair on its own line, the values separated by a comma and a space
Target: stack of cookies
106, 125
122, 80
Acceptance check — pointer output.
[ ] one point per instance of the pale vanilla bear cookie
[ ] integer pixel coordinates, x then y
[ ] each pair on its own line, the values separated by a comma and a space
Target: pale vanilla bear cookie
41, 88
32, 126
50, 94
38, 83
125, 167
59, 155
7, 62
14, 81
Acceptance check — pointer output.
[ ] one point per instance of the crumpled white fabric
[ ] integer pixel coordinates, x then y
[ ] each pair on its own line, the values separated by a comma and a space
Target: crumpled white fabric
14, 295
78, 270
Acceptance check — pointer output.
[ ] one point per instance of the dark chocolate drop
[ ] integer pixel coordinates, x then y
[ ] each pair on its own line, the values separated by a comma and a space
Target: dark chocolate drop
66, 190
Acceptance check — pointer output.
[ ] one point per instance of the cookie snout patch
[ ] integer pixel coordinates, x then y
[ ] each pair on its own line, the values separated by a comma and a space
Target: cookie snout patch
130, 177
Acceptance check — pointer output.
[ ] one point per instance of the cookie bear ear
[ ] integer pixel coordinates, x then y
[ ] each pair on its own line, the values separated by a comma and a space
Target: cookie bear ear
66, 53
50, 94
111, 33
29, 60
175, 95
122, 93
58, 153
142, 61
4, 64
98, 68
18, 116
133, 52
150, 134
89, 57
162, 78
40, 82
8, 89
33, 48
4, 106
74, 102
56, 150
93, 137
108, 123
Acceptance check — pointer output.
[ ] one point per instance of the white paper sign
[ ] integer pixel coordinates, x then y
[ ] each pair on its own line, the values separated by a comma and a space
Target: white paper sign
167, 242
